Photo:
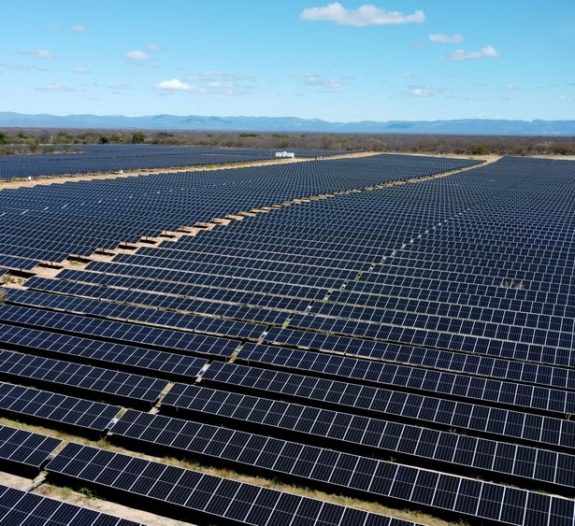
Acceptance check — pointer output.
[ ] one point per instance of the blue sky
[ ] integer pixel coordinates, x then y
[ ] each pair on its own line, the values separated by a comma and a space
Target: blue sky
338, 61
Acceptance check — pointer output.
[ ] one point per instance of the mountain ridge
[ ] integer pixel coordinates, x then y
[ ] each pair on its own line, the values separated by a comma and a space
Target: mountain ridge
539, 127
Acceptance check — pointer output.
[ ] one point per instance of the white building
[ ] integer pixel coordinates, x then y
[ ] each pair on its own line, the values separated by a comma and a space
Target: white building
289, 155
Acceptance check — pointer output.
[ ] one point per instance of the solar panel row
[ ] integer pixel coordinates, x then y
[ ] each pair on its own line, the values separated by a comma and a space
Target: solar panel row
326, 452
24, 452
122, 332
165, 302
86, 380
373, 372
101, 158
51, 409
446, 415
415, 379
19, 507
177, 490
101, 354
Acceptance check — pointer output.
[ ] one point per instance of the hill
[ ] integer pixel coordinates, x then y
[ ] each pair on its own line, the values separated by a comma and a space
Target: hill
291, 124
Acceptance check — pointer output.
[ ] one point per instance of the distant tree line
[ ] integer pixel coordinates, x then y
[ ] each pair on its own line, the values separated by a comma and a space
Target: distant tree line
34, 141
46, 141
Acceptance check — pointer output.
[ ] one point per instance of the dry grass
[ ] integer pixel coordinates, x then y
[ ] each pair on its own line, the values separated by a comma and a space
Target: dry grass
14, 481
10, 280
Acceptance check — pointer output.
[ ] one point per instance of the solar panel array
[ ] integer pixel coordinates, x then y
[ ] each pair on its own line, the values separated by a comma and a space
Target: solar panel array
27, 454
347, 472
171, 488
194, 494
93, 158
409, 344
103, 214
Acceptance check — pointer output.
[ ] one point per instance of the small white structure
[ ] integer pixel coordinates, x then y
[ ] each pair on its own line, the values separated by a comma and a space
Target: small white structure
285, 155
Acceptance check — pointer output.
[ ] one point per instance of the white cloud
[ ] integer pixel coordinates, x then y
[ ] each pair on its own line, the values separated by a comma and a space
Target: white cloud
422, 91
365, 15
220, 83
78, 28
17, 67
489, 51
484, 52
121, 87
81, 71
208, 83
138, 56
174, 85
54, 88
323, 82
39, 53
441, 38
512, 87
154, 47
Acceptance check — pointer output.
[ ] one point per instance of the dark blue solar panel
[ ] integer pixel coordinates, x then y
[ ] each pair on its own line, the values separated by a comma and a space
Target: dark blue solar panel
197, 495
29, 509
24, 452
52, 409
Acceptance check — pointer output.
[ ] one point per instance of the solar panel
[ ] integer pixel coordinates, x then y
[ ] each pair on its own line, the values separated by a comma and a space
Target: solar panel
24, 453
91, 158
520, 371
416, 379
432, 322
86, 350
123, 332
201, 497
362, 399
80, 416
95, 382
317, 452
20, 507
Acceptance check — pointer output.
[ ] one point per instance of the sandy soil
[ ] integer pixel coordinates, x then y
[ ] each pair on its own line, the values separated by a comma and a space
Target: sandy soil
554, 157
14, 481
